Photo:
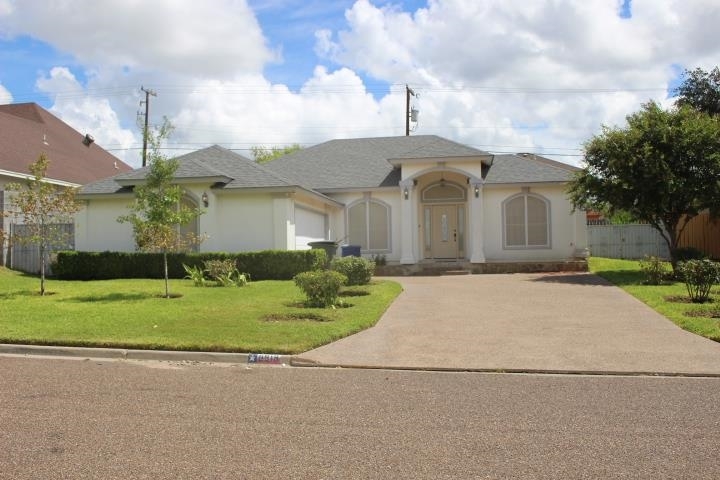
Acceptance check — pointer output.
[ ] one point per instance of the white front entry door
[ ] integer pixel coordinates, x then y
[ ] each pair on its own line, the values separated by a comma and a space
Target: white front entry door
444, 231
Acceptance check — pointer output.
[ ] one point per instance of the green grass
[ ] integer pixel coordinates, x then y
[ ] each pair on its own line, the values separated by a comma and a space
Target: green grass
131, 314
627, 275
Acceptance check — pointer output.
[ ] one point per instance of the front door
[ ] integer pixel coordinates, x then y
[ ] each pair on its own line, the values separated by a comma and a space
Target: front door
444, 231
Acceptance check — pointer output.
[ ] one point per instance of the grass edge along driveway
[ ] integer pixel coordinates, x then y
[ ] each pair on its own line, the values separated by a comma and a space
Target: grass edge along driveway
666, 299
262, 317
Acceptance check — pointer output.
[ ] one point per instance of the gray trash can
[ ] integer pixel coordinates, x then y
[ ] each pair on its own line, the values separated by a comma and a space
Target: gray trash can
350, 250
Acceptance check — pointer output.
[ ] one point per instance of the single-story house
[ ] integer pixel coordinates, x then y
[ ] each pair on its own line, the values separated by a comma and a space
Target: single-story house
414, 199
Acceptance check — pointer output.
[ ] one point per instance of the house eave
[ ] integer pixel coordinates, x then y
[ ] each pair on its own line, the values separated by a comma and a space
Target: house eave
25, 176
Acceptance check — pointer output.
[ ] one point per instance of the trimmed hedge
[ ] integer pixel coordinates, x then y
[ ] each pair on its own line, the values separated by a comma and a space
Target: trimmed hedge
262, 265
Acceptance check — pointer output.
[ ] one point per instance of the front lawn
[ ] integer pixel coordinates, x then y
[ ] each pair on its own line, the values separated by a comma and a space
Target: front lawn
669, 300
262, 317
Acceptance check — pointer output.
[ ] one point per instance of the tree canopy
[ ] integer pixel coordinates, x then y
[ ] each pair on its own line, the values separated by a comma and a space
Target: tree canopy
700, 90
157, 212
663, 167
263, 154
42, 209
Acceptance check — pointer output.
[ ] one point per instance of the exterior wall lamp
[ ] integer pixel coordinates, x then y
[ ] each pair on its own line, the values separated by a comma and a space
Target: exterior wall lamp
477, 191
406, 193
205, 199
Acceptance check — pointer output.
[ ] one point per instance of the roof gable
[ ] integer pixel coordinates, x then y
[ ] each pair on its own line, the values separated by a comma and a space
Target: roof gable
27, 130
212, 164
364, 162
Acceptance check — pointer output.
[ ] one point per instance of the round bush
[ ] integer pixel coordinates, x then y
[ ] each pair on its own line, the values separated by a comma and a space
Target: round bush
358, 270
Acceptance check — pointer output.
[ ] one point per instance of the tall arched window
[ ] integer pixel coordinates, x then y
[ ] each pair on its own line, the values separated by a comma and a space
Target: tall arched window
368, 222
526, 221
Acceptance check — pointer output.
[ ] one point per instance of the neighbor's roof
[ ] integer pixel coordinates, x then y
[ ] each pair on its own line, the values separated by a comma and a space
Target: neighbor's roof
27, 130
215, 163
364, 162
527, 168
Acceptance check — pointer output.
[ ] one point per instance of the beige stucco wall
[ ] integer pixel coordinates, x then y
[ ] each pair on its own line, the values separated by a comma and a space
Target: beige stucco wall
97, 228
566, 232
390, 196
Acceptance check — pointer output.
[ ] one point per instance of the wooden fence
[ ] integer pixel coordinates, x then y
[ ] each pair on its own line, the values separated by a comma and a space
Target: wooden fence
26, 258
704, 234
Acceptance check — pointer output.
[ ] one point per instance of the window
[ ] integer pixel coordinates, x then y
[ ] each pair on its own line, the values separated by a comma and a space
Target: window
526, 224
369, 225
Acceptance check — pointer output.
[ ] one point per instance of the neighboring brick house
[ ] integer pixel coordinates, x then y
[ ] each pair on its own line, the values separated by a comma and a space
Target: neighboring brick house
26, 131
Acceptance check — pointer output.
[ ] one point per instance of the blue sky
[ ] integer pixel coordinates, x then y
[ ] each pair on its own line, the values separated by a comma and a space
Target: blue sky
500, 75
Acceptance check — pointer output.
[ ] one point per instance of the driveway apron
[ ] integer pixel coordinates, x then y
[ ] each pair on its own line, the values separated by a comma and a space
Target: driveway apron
525, 322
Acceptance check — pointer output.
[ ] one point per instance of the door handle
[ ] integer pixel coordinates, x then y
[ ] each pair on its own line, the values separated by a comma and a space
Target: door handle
454, 235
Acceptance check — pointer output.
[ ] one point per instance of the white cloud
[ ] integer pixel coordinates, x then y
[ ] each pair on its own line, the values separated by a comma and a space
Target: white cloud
88, 114
5, 95
213, 38
502, 75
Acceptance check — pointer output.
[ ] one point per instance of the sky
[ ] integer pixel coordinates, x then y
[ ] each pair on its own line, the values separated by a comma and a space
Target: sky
538, 76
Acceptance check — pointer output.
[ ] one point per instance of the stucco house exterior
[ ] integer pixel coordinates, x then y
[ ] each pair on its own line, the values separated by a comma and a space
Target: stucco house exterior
417, 200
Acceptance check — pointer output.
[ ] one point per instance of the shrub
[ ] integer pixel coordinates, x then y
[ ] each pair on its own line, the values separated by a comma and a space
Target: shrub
699, 277
655, 269
683, 254
225, 273
358, 270
320, 287
196, 274
262, 265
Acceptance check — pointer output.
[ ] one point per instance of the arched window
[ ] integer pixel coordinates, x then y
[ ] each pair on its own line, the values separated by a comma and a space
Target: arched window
526, 221
368, 225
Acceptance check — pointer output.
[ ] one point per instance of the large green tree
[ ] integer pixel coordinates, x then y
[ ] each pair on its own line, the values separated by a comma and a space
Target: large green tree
700, 90
42, 209
157, 212
663, 167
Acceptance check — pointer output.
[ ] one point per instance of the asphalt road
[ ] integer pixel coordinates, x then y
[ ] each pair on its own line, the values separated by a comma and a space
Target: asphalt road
80, 419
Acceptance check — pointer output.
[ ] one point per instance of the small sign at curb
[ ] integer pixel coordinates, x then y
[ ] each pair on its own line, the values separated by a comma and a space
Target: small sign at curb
266, 358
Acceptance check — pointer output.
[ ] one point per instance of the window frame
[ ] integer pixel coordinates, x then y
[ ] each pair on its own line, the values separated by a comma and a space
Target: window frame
388, 224
548, 223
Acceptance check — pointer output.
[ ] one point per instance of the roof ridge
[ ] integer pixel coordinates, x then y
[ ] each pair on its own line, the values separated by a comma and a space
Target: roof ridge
29, 111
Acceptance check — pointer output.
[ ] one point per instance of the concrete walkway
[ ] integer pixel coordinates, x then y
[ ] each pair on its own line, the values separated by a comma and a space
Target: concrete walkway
528, 322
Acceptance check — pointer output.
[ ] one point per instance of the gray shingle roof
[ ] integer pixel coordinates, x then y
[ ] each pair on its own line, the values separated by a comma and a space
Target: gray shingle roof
363, 162
212, 162
527, 169
342, 164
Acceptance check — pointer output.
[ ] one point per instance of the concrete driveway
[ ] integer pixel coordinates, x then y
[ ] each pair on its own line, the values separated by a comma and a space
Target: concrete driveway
527, 322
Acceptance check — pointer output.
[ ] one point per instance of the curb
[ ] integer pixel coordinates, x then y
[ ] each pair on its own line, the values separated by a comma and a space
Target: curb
304, 362
158, 355
294, 361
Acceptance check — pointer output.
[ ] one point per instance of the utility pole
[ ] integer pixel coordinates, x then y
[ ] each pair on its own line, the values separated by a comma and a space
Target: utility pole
148, 92
408, 91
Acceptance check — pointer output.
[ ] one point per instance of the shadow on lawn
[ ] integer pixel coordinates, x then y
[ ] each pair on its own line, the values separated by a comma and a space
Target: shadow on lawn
112, 297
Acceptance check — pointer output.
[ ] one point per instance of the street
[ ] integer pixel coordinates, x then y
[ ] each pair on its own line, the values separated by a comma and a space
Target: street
77, 419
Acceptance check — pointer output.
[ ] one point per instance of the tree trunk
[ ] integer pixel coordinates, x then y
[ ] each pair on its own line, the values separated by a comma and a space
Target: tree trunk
42, 269
165, 265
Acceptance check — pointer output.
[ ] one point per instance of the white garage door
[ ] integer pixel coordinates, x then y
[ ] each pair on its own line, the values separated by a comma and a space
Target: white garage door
309, 227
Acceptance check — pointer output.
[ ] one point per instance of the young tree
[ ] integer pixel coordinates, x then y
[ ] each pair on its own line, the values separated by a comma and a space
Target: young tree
43, 209
157, 212
700, 90
662, 168
264, 155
